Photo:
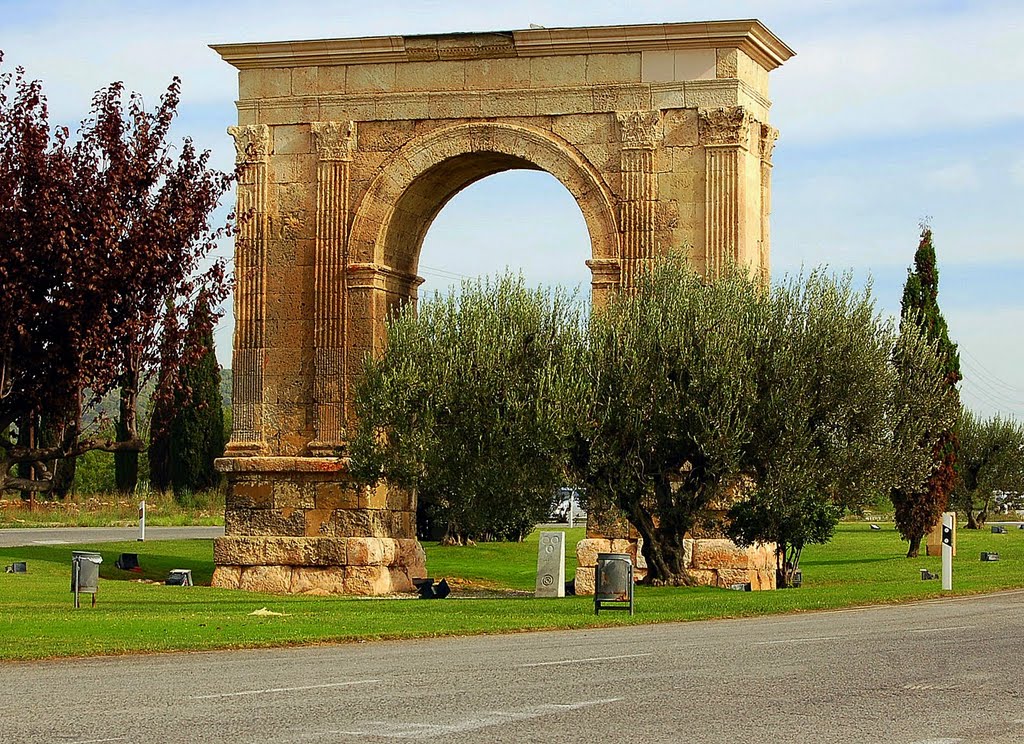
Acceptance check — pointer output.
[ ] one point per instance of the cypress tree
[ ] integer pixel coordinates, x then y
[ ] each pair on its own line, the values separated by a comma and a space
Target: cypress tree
197, 430
919, 510
165, 403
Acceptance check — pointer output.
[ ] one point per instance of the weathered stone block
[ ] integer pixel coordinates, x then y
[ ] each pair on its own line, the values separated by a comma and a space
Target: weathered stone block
285, 551
400, 581
412, 557
389, 551
365, 551
717, 553
729, 576
762, 580
250, 495
291, 495
374, 497
584, 583
226, 577
367, 580
264, 522
330, 496
587, 550
703, 576
266, 579
317, 581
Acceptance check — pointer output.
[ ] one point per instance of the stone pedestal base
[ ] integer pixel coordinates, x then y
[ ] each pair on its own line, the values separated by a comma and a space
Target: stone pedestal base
710, 562
302, 526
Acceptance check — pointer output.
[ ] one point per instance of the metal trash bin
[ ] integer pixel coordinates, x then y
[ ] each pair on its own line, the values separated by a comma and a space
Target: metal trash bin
613, 582
179, 577
85, 573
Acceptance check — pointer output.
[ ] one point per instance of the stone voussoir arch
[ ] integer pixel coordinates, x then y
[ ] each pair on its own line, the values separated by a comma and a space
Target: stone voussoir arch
484, 148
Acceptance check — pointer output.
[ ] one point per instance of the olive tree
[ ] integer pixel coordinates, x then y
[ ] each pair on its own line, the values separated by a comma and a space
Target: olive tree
991, 460
834, 422
672, 386
470, 404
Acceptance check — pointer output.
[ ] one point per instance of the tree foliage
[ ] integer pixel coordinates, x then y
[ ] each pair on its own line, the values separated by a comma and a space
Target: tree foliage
919, 506
94, 235
823, 433
467, 405
670, 369
991, 462
188, 416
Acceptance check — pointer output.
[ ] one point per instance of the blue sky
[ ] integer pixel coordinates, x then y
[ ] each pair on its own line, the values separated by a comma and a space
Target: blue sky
891, 112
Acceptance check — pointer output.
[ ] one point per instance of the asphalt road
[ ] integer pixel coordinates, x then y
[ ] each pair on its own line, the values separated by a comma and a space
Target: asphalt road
83, 535
938, 672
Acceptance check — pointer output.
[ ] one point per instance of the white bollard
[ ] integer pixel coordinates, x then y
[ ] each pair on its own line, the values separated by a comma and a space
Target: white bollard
142, 521
947, 550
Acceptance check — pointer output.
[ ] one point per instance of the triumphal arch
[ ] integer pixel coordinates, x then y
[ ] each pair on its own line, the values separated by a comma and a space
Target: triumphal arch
351, 147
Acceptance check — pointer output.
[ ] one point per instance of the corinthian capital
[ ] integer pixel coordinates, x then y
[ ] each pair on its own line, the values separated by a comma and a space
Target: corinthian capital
639, 129
334, 140
724, 126
252, 143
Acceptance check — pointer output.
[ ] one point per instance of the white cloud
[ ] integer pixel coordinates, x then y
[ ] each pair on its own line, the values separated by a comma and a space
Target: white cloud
907, 76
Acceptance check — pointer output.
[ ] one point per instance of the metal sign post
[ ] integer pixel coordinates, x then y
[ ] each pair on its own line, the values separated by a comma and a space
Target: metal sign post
142, 521
947, 551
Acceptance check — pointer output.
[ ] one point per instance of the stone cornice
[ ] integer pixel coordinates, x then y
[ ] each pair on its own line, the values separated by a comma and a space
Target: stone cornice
751, 36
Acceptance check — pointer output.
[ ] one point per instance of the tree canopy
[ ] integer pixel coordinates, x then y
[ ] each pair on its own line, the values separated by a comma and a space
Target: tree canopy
919, 506
95, 234
467, 405
991, 464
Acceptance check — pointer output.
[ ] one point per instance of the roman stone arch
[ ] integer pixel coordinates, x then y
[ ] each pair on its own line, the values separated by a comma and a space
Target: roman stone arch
412, 187
349, 148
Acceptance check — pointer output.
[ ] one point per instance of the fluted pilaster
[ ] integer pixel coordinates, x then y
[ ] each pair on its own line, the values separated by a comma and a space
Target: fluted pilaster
725, 134
334, 144
639, 132
252, 143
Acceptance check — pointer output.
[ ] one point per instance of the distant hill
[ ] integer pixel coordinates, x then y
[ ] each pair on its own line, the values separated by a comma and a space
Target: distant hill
109, 405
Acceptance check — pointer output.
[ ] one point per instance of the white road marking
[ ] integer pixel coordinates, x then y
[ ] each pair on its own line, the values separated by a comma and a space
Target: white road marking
580, 661
62, 542
939, 741
399, 730
270, 690
96, 741
942, 630
800, 640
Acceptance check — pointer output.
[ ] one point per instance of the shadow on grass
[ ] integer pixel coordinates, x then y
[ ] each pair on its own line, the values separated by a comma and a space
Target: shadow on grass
155, 565
849, 561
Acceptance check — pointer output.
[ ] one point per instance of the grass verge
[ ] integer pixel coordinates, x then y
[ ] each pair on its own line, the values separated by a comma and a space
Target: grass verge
113, 510
37, 619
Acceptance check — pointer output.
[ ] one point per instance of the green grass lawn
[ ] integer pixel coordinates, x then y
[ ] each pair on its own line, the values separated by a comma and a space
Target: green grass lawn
37, 619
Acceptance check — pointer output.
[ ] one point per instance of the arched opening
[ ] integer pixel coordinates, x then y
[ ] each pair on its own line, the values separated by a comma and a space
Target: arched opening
409, 192
522, 221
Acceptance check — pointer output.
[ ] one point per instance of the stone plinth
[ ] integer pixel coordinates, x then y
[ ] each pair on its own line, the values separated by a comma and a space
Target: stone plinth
300, 525
710, 562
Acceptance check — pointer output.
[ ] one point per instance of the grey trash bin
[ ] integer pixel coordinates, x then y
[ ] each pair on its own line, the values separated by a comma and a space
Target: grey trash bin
85, 573
613, 582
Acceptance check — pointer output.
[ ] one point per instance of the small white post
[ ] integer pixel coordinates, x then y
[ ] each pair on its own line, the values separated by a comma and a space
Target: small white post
572, 509
947, 550
142, 521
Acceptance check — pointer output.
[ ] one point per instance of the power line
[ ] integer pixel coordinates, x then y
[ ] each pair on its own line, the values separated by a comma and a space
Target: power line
985, 372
